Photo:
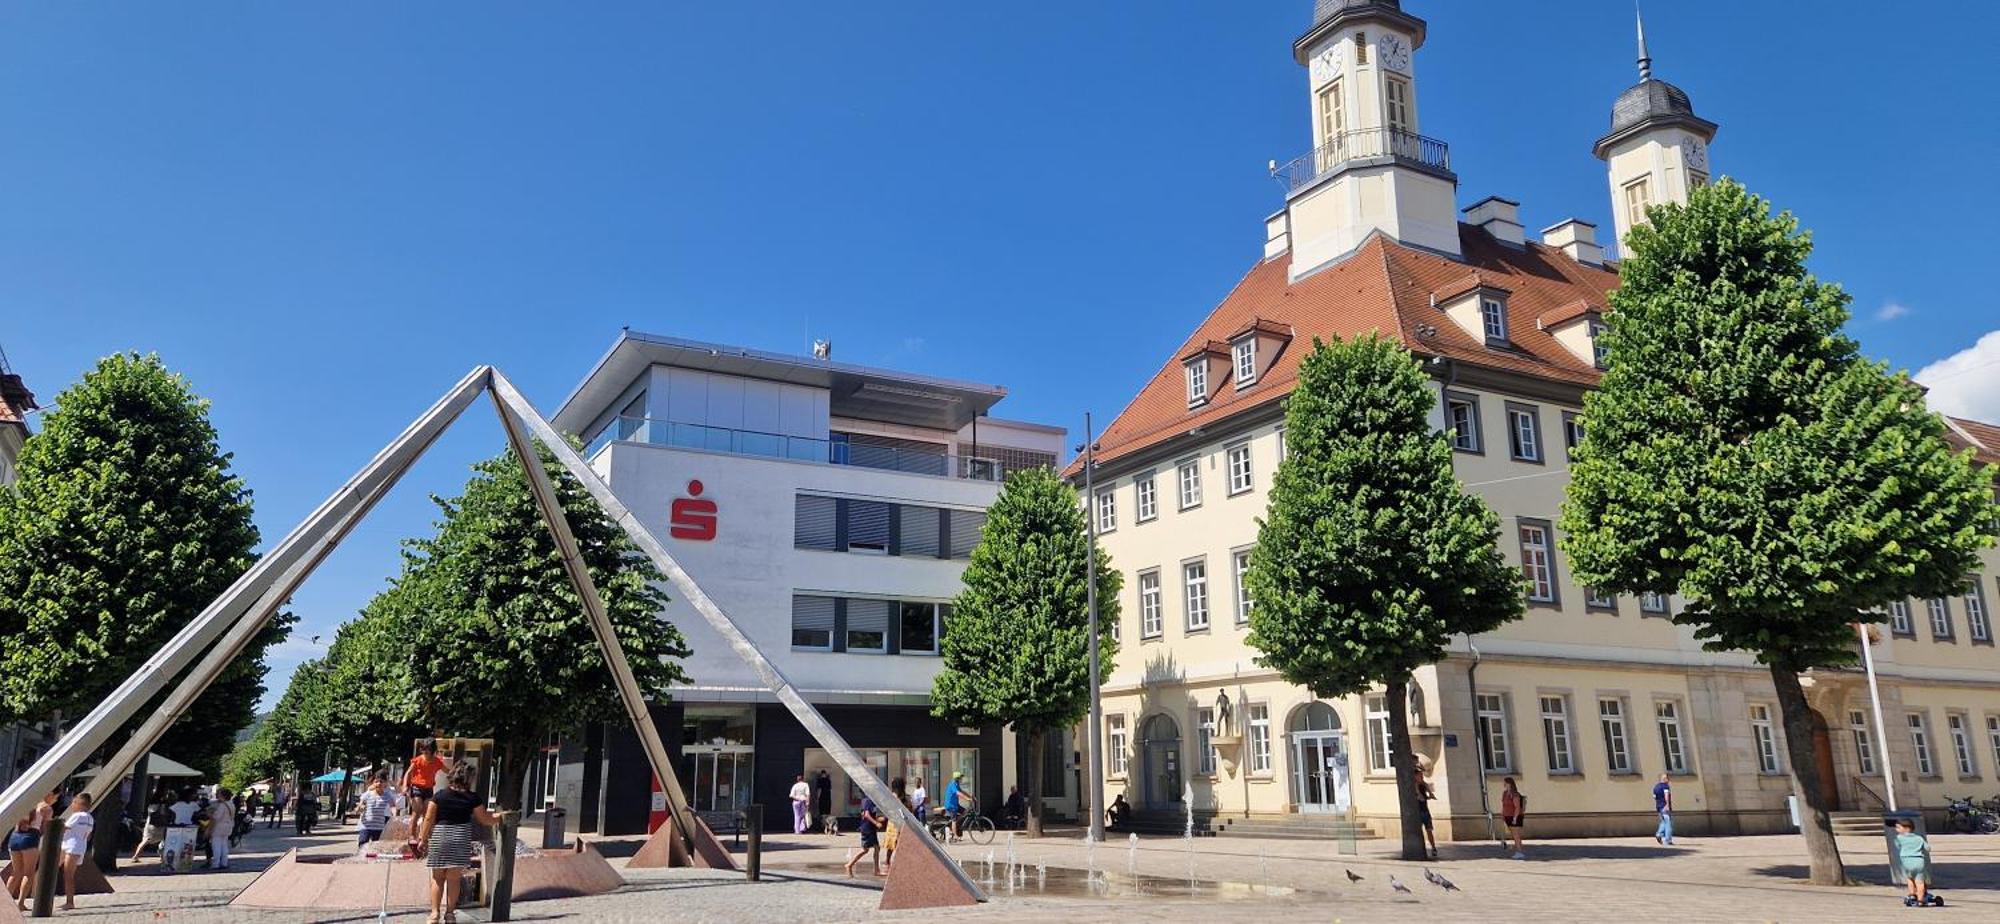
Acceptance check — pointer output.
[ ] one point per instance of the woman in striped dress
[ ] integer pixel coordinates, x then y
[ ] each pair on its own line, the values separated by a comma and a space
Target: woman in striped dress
446, 836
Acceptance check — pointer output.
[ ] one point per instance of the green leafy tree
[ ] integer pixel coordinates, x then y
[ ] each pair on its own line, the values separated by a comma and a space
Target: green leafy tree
1740, 452
252, 759
126, 521
1371, 556
1016, 648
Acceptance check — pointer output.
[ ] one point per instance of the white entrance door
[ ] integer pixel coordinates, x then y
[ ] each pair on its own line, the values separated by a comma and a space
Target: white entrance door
1319, 770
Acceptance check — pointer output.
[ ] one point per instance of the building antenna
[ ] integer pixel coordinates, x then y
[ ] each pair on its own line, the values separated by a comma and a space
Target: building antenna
1645, 60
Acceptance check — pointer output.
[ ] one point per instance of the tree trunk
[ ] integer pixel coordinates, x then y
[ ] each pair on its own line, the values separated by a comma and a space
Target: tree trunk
1408, 800
513, 777
1821, 850
1038, 742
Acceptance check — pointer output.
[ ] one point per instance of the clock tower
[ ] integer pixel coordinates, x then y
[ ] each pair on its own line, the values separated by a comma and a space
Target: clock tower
1370, 168
1657, 150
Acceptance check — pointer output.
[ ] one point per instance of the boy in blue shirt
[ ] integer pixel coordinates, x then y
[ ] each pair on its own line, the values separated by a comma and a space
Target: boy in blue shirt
1914, 853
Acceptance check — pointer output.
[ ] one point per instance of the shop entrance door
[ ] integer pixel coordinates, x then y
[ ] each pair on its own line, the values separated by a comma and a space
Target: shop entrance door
718, 776
1319, 761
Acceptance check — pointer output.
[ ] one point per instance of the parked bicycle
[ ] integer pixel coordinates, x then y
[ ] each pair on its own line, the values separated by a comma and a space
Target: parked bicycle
972, 826
1964, 817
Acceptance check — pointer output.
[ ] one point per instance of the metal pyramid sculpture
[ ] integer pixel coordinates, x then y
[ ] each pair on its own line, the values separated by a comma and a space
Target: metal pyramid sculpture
217, 636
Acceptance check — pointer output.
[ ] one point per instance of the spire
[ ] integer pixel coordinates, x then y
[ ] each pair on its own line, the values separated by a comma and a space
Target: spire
1645, 60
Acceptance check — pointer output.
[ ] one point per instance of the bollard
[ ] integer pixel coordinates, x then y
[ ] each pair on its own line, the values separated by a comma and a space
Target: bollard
48, 878
753, 852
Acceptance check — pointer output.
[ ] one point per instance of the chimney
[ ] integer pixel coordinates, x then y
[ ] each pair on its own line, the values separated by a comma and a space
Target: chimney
1575, 237
1500, 217
1278, 233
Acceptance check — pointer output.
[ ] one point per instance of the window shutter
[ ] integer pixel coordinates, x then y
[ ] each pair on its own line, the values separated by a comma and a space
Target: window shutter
920, 530
868, 625
813, 526
812, 622
965, 527
868, 524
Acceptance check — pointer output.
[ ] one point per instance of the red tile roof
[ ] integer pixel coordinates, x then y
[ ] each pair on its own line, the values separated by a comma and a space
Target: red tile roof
1984, 438
1555, 317
15, 400
1384, 286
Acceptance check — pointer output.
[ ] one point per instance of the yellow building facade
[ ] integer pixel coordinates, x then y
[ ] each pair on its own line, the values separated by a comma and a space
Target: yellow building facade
1586, 700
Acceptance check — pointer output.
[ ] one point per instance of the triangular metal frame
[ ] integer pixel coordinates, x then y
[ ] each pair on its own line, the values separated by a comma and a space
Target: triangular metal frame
228, 624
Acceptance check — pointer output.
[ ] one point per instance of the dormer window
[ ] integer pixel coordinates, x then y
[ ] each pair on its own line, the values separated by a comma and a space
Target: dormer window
1598, 351
1197, 381
1493, 319
1243, 354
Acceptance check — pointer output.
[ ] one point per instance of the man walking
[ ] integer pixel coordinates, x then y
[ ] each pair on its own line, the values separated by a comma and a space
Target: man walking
1663, 802
801, 802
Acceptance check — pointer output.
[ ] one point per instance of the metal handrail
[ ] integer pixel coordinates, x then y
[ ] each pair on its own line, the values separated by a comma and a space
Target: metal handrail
659, 432
1872, 794
1363, 144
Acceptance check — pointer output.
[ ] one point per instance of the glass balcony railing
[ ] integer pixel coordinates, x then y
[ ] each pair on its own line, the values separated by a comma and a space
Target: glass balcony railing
796, 448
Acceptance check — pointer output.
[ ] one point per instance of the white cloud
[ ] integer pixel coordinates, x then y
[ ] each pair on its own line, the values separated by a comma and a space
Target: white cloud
1967, 383
1890, 311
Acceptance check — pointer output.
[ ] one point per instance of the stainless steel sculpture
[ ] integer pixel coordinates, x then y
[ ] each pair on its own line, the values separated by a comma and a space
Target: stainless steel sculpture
226, 626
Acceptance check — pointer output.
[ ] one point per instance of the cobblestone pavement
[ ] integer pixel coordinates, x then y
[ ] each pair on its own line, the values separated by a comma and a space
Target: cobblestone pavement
1716, 879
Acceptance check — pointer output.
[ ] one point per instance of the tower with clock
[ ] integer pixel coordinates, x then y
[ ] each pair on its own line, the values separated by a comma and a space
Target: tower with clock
1370, 168
1657, 149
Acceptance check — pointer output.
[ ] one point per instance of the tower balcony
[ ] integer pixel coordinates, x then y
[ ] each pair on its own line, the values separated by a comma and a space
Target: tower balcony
1364, 148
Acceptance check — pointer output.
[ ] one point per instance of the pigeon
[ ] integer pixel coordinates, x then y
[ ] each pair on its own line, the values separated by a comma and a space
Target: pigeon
1440, 881
1350, 875
1398, 886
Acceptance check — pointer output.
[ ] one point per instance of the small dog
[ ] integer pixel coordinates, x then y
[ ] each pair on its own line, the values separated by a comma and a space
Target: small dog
830, 825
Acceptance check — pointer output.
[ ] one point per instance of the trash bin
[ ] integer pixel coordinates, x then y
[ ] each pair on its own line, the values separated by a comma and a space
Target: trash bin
552, 828
1889, 820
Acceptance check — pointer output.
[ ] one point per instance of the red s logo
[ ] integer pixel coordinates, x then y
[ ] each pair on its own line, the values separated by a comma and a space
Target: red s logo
693, 519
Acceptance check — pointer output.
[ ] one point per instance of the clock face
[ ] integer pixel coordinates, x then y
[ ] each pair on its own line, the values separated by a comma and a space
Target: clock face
1394, 53
1328, 64
1697, 156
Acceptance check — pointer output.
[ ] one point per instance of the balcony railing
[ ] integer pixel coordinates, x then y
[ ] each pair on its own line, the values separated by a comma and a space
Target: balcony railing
1364, 144
796, 448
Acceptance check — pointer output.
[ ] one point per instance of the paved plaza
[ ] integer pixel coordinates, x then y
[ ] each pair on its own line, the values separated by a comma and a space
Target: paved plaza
1242, 879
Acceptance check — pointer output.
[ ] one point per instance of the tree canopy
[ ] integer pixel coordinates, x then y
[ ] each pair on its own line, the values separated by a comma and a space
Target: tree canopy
1371, 556
1742, 453
125, 522
1016, 646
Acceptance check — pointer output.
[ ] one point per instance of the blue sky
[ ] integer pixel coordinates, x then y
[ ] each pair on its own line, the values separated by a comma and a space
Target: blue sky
324, 215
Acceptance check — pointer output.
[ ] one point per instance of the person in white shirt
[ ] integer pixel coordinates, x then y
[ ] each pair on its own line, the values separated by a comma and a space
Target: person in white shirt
184, 811
75, 843
221, 822
801, 800
920, 801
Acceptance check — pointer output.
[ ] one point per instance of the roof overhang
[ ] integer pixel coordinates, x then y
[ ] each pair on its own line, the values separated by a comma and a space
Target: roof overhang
1390, 16
859, 392
1696, 124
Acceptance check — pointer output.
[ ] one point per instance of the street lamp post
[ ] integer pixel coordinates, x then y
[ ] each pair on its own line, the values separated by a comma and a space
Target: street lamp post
1881, 732
1095, 735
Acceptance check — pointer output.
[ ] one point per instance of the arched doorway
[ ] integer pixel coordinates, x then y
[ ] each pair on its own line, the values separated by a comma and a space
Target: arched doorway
1160, 739
1319, 759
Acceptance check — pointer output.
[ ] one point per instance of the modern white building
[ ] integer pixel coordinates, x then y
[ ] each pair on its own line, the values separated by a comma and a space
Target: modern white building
829, 509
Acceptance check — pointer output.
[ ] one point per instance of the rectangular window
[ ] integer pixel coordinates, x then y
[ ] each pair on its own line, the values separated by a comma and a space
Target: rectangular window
1377, 717
1239, 468
1241, 563
1940, 612
1194, 584
1463, 411
921, 531
1524, 433
1555, 734
1900, 622
1667, 717
1638, 195
1976, 623
1204, 744
1197, 381
812, 622
1617, 746
868, 625
1538, 561
1599, 600
1493, 319
965, 528
868, 526
1961, 745
1993, 738
1697, 179
1148, 491
813, 522
1492, 727
1766, 738
1114, 744
1107, 510
1920, 741
1281, 445
1190, 480
1864, 742
1149, 604
1600, 354
1654, 604
1332, 117
1260, 738
1572, 433
918, 628
1243, 354
1396, 96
